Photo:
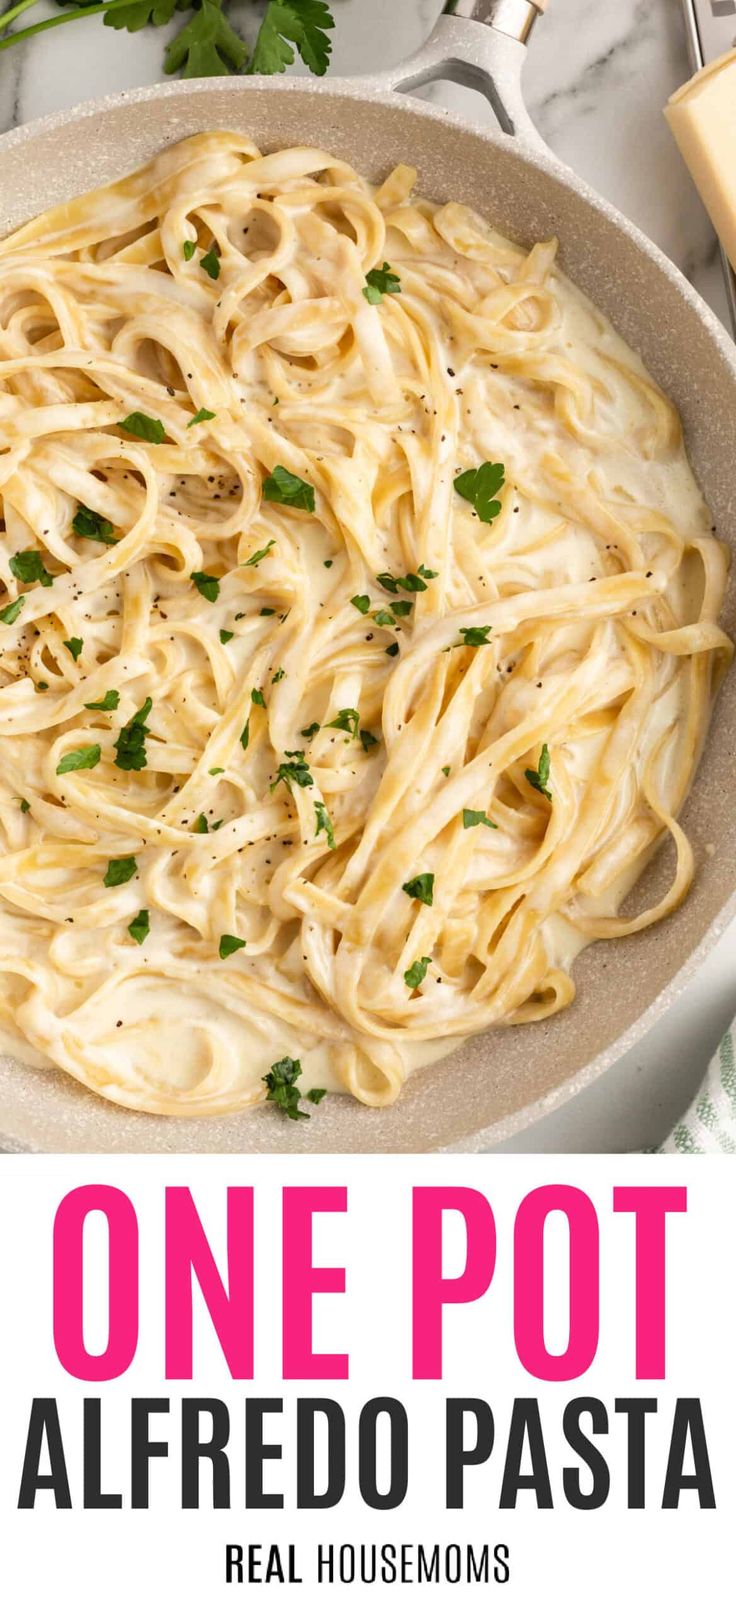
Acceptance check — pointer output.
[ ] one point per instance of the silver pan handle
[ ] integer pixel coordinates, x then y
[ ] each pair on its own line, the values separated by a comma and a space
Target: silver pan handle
480, 44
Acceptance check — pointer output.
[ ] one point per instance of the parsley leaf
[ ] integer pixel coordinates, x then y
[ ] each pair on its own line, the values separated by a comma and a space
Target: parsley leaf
281, 1088
473, 819
293, 770
10, 613
140, 927
229, 944
201, 415
257, 698
141, 12
367, 740
421, 888
309, 732
75, 646
143, 426
304, 22
480, 486
120, 871
225, 636
324, 824
110, 701
279, 675
393, 649
208, 586
188, 250
283, 487
245, 736
207, 46
474, 637
28, 566
81, 760
210, 262
540, 778
260, 553
413, 582
380, 283
87, 523
200, 824
130, 744
416, 974
361, 602
346, 721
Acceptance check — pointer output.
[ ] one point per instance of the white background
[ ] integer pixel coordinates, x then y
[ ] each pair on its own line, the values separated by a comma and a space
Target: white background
561, 1558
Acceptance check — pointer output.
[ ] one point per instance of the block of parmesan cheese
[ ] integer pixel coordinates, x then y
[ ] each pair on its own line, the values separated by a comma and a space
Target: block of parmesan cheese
702, 117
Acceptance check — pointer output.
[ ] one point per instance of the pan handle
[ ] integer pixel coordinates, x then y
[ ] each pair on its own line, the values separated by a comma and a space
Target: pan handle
480, 44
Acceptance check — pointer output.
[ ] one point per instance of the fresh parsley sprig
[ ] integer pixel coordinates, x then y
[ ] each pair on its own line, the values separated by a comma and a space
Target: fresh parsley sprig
207, 45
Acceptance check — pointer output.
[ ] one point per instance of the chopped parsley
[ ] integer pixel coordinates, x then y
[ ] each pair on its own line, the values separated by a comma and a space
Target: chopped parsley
144, 427
225, 636
266, 611
417, 973
214, 771
120, 871
200, 824
413, 582
257, 698
28, 566
384, 618
474, 637
188, 250
474, 819
361, 602
367, 739
293, 770
324, 824
380, 283
229, 944
281, 1088
140, 927
200, 417
130, 744
81, 760
255, 559
279, 675
309, 732
392, 649
245, 735
421, 888
10, 613
210, 262
540, 778
480, 486
75, 646
25, 805
208, 586
87, 523
110, 701
346, 721
283, 487
446, 770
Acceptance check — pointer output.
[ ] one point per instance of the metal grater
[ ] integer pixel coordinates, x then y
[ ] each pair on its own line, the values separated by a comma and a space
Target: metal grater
711, 31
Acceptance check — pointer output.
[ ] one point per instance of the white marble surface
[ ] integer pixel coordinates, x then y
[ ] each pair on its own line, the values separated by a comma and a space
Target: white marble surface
598, 75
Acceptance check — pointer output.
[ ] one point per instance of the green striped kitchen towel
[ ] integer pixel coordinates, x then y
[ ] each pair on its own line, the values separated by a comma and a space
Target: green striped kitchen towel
710, 1122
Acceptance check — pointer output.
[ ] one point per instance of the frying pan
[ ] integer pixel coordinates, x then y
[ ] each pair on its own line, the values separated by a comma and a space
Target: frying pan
504, 1079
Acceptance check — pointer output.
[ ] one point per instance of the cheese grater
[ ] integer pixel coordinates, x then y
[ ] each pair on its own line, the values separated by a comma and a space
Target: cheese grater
711, 31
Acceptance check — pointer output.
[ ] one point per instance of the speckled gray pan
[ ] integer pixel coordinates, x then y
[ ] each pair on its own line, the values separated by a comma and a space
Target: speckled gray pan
506, 1078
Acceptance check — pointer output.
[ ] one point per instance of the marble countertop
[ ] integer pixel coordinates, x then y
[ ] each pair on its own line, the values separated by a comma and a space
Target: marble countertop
597, 77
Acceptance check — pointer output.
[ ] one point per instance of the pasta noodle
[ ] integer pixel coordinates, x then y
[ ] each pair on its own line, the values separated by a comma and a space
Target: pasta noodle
359, 631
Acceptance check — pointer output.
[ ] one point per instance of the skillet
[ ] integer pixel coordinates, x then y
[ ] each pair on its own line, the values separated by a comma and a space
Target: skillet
502, 1080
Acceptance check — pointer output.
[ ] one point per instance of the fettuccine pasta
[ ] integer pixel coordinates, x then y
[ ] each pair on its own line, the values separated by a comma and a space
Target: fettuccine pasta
358, 631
